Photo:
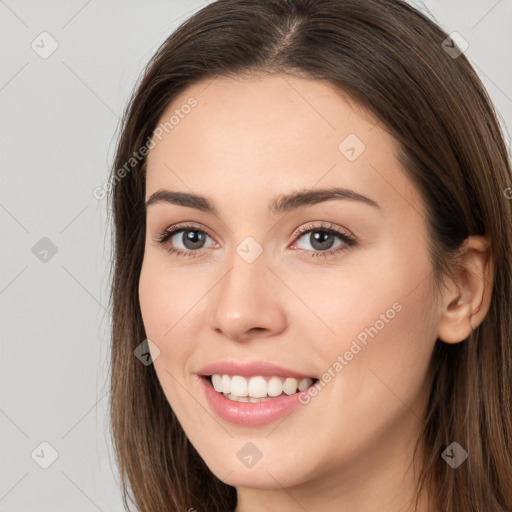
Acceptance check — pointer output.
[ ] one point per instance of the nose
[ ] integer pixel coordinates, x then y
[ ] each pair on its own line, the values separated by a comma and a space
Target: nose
248, 302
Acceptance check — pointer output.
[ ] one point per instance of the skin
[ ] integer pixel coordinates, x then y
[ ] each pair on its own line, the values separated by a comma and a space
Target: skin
246, 142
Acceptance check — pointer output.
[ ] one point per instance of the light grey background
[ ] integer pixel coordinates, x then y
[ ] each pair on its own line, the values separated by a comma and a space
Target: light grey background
59, 117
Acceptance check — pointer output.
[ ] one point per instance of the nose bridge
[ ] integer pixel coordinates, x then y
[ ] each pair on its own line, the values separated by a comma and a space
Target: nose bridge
246, 297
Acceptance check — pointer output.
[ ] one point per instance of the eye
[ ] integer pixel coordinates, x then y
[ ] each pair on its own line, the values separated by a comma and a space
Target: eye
190, 237
322, 239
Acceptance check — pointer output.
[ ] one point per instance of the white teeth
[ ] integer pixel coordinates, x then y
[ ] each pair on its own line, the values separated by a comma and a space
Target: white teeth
225, 383
304, 383
217, 382
290, 386
250, 399
257, 389
239, 386
274, 386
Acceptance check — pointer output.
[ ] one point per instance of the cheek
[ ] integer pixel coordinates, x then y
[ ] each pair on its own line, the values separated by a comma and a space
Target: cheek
385, 333
153, 299
377, 315
166, 301
167, 298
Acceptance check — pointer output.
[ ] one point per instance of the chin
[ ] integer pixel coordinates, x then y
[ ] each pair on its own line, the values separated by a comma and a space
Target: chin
266, 473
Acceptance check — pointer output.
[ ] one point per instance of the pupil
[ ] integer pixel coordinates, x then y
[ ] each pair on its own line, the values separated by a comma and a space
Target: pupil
193, 239
321, 240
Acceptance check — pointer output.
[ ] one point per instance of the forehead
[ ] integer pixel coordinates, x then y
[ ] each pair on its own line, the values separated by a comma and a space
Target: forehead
272, 110
270, 133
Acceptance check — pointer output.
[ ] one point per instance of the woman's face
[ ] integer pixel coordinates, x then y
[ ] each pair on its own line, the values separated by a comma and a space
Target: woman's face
330, 288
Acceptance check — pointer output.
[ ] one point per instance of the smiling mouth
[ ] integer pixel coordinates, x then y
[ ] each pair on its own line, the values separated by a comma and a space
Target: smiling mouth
258, 388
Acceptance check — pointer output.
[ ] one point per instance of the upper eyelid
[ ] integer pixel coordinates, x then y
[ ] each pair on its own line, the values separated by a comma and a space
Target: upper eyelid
297, 233
176, 228
327, 226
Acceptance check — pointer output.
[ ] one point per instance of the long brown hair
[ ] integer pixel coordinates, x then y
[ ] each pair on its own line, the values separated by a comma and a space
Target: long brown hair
395, 62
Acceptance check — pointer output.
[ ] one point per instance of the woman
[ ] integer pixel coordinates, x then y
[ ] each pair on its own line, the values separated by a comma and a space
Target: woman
313, 248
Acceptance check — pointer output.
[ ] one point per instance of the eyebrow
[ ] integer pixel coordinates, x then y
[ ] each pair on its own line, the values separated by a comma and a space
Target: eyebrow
281, 204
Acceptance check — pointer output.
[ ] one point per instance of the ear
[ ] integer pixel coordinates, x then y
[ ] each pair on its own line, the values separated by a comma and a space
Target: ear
467, 296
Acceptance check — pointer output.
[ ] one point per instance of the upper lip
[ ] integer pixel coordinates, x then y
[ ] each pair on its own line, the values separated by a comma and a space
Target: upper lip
250, 369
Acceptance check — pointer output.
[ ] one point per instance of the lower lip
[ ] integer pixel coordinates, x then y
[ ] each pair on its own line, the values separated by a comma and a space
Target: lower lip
246, 413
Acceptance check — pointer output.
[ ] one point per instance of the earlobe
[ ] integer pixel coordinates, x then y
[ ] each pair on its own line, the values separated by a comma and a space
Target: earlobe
467, 296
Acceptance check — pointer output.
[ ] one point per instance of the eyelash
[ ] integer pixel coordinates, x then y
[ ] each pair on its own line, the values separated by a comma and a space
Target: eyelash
348, 240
